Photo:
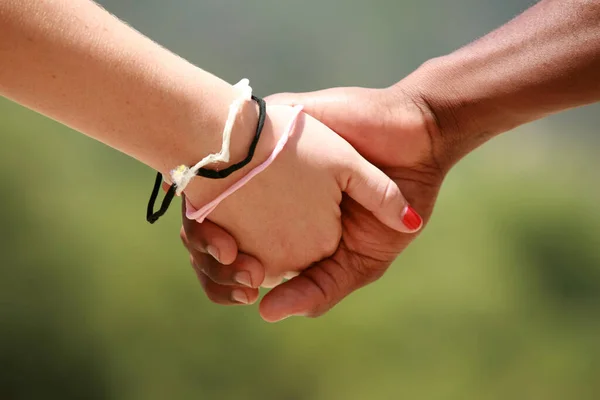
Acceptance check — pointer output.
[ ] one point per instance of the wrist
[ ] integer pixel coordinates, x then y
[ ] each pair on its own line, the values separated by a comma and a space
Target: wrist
454, 117
205, 112
202, 190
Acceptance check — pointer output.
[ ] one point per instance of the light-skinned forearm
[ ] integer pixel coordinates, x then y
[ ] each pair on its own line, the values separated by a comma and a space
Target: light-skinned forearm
74, 62
544, 61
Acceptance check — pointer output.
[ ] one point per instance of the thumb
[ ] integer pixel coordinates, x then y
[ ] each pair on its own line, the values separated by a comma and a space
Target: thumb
312, 293
376, 192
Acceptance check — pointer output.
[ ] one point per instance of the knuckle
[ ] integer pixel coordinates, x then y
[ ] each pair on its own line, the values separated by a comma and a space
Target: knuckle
204, 265
330, 286
329, 245
217, 275
213, 297
360, 267
183, 236
389, 192
367, 271
318, 311
213, 292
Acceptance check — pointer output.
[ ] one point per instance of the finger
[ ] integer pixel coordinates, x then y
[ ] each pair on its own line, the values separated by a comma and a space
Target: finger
225, 295
224, 266
376, 192
324, 105
315, 291
210, 238
244, 271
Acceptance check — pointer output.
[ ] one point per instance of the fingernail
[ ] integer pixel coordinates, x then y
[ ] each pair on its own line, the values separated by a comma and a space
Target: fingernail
213, 252
243, 278
239, 296
411, 219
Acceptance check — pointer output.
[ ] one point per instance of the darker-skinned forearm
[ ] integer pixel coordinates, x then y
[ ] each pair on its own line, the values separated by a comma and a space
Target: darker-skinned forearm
544, 61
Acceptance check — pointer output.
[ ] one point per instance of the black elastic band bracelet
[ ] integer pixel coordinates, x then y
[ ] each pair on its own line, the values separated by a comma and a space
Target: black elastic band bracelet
152, 216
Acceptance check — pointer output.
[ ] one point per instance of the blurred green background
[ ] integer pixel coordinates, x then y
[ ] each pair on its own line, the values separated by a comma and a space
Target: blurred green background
499, 298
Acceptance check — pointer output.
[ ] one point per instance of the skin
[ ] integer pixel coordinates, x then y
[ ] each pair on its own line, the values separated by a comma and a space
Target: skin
544, 61
74, 62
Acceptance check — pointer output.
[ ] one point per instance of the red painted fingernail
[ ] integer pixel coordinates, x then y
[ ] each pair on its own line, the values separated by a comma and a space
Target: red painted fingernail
411, 219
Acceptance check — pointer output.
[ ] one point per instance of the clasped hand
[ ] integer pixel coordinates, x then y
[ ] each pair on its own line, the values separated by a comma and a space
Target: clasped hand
323, 215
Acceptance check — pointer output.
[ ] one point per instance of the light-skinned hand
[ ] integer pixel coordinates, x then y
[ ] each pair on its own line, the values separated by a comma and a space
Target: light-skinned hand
289, 216
392, 129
